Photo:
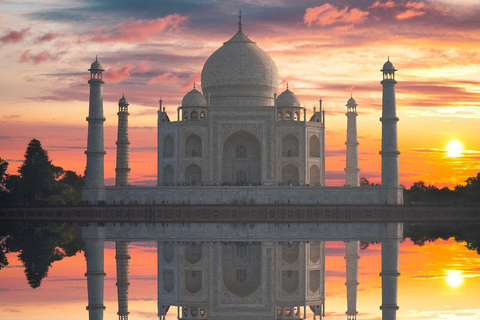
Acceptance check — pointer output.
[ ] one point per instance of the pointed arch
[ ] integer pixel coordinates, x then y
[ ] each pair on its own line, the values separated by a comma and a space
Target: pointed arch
314, 147
290, 175
194, 115
193, 146
241, 151
167, 175
167, 149
290, 146
314, 175
193, 174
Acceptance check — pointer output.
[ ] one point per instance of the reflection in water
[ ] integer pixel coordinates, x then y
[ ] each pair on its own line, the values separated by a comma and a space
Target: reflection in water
255, 277
40, 246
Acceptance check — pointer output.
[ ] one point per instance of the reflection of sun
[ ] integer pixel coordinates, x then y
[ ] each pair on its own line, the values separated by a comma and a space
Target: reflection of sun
454, 278
454, 149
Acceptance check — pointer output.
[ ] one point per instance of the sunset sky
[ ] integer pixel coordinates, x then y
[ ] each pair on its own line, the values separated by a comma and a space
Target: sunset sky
323, 49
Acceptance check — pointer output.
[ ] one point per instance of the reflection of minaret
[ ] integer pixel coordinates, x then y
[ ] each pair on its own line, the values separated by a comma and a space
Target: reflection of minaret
390, 274
94, 180
351, 258
122, 256
351, 169
95, 276
123, 167
389, 127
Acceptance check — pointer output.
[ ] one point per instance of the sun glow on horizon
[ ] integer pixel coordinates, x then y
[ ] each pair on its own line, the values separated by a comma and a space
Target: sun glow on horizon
454, 149
454, 278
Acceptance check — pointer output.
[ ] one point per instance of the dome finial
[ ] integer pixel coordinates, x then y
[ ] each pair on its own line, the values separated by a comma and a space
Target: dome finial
388, 58
123, 95
240, 20
194, 86
96, 57
351, 95
287, 85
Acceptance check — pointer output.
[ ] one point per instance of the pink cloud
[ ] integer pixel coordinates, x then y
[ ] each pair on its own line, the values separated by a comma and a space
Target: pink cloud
378, 4
14, 36
117, 72
416, 5
142, 67
36, 58
328, 14
409, 14
47, 37
166, 78
188, 83
140, 30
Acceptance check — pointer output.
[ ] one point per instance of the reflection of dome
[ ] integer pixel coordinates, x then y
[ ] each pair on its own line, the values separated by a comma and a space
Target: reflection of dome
240, 68
96, 66
288, 99
194, 99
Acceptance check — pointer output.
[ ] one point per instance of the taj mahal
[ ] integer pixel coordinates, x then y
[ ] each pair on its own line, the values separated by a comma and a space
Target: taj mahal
239, 141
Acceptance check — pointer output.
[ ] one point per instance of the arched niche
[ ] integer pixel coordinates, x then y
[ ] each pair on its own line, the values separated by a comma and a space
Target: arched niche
193, 146
288, 115
167, 150
193, 281
314, 147
241, 151
290, 146
290, 252
290, 281
314, 175
193, 253
314, 280
290, 175
193, 174
167, 278
241, 268
194, 115
168, 252
315, 252
167, 175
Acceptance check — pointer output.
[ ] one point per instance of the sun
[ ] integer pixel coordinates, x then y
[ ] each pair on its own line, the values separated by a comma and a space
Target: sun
454, 149
454, 278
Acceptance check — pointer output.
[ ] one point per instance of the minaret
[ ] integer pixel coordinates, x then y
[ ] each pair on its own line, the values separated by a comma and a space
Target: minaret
123, 164
94, 189
352, 169
122, 256
351, 258
389, 128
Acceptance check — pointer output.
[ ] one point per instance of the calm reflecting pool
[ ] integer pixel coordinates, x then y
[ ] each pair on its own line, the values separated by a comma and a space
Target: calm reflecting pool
250, 278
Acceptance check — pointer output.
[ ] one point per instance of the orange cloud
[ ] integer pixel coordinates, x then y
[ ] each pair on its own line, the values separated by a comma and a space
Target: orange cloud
166, 78
117, 72
409, 14
14, 36
140, 30
327, 15
378, 4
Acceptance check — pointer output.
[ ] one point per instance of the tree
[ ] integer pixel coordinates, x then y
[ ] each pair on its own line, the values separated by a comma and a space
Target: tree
3, 169
364, 182
37, 173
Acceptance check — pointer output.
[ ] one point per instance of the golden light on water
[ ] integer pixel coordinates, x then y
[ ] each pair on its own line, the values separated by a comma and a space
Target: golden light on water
454, 149
454, 278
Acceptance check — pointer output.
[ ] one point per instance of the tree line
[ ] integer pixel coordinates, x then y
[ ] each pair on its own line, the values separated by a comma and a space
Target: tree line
419, 192
39, 181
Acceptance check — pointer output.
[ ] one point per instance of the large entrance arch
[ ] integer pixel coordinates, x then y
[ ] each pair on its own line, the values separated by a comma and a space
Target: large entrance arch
241, 159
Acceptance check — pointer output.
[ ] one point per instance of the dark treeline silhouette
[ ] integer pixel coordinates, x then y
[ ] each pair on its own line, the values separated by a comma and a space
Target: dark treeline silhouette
419, 234
419, 192
39, 181
38, 247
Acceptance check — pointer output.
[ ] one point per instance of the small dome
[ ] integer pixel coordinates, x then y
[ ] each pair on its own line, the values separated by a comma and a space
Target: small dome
123, 101
388, 66
194, 99
96, 66
351, 102
288, 99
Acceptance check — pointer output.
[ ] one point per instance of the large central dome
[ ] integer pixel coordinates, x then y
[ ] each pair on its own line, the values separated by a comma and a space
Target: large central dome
240, 73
